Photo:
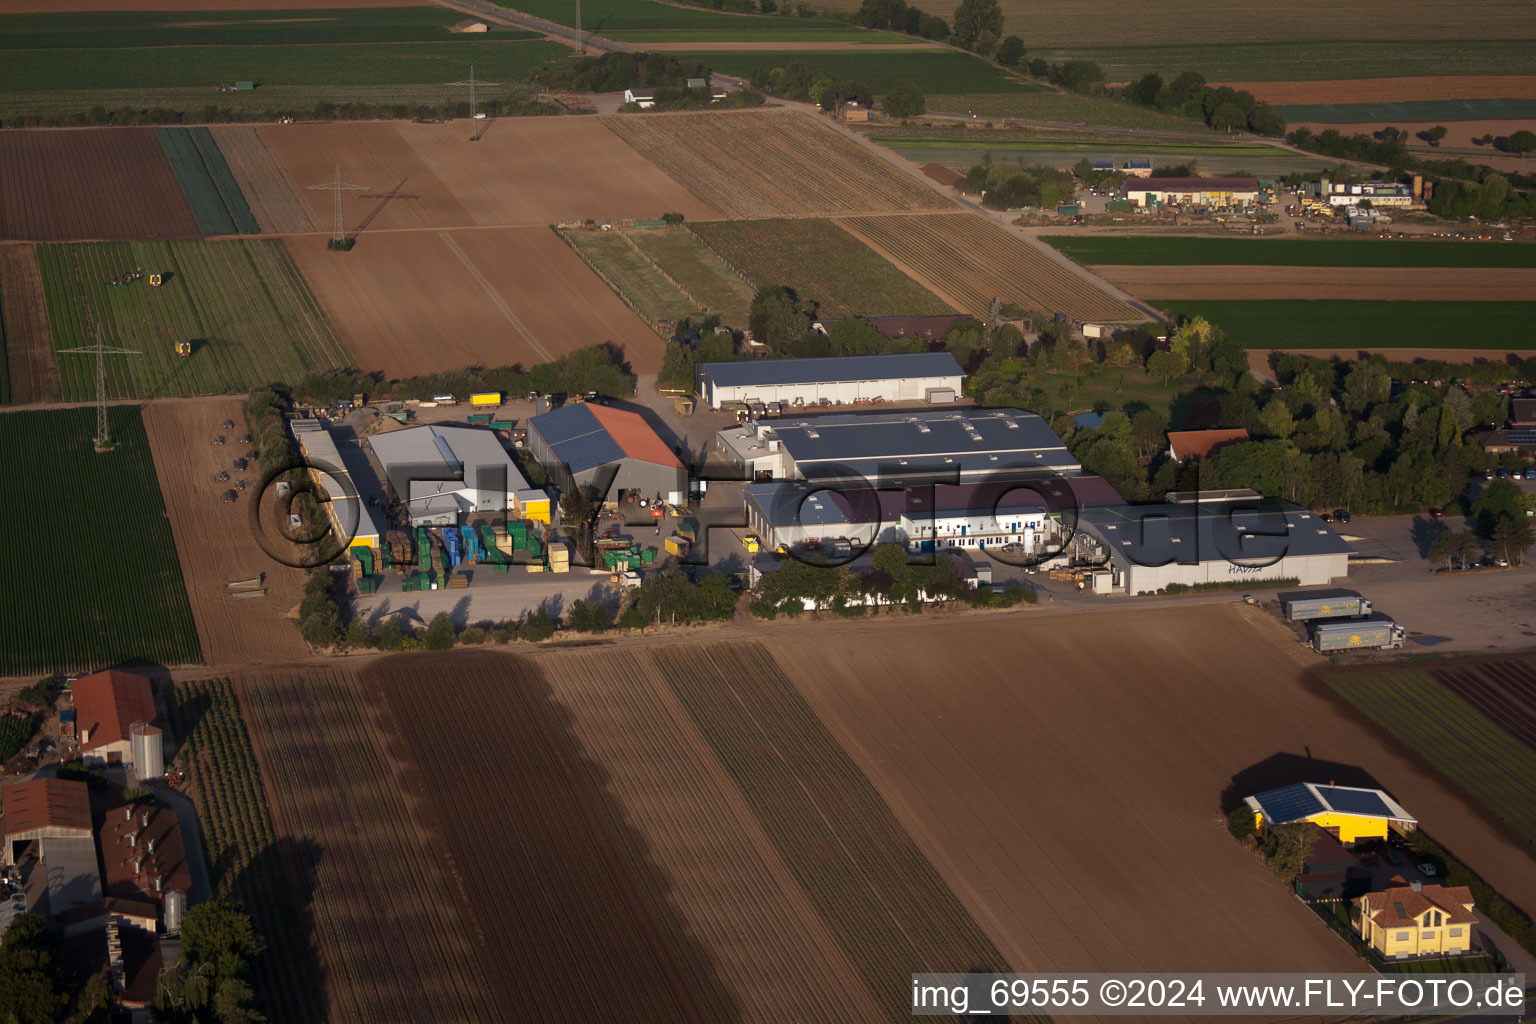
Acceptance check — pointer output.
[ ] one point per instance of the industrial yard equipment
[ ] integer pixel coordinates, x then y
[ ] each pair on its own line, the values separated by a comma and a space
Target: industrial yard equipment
183, 348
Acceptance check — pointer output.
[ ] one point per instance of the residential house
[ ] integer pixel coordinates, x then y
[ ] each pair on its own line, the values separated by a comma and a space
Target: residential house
1417, 921
1200, 444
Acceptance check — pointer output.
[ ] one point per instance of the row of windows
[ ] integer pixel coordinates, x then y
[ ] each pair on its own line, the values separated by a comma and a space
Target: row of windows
1454, 933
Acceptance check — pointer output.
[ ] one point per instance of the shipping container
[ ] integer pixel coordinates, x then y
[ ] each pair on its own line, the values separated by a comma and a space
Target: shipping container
1356, 635
683, 404
1324, 604
480, 418
485, 398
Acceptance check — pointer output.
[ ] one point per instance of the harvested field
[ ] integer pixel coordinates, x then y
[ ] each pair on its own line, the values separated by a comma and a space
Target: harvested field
968, 260
31, 372
1458, 284
89, 183
214, 542
273, 197
61, 6
1343, 250
772, 163
1474, 720
574, 919
499, 297
1112, 748
1393, 90
821, 262
523, 171
1462, 138
806, 44
388, 902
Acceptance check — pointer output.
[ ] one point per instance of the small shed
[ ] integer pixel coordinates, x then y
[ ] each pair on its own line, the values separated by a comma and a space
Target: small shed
645, 99
698, 83
853, 112
471, 25
244, 86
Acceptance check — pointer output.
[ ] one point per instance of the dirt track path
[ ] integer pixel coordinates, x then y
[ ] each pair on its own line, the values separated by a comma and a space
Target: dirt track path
33, 372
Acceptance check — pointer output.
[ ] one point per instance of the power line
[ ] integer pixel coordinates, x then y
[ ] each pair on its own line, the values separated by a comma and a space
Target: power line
474, 118
103, 439
339, 236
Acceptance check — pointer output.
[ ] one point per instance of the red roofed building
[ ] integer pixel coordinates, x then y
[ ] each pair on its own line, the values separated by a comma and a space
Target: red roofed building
107, 705
43, 808
1417, 920
49, 841
142, 853
609, 450
1199, 444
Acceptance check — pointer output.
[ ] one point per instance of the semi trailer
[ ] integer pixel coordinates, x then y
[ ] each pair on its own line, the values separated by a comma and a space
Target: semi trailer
1356, 635
1324, 604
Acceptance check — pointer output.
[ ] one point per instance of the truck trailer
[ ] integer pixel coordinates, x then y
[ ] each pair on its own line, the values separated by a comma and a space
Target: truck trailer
1324, 604
1356, 635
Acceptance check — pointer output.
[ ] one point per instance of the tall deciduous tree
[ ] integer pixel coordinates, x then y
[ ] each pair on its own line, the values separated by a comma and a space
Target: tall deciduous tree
905, 100
973, 17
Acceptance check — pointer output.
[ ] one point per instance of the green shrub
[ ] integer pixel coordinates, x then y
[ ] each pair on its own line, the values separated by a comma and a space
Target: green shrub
1240, 823
15, 731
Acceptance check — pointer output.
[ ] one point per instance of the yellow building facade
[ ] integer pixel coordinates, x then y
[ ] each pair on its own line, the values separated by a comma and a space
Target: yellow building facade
1349, 813
1417, 921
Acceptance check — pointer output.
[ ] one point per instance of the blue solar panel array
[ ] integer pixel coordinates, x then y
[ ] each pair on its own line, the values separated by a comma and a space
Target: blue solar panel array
1290, 803
1521, 435
827, 369
577, 438
1354, 801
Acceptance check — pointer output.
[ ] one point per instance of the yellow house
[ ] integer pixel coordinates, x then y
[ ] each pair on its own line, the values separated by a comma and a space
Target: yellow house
1348, 813
1418, 920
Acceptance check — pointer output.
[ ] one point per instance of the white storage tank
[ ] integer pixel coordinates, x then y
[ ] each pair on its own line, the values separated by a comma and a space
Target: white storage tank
148, 748
175, 910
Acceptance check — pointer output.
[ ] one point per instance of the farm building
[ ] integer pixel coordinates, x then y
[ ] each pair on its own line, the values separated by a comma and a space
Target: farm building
1521, 440
444, 472
1146, 192
1139, 168
343, 474
49, 841
115, 722
1348, 813
1101, 163
1199, 444
470, 25
836, 380
1417, 920
143, 853
983, 516
1196, 538
889, 448
645, 99
1522, 412
606, 449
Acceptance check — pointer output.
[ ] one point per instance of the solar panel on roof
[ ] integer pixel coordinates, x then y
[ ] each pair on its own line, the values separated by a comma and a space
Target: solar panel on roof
1521, 435
1355, 801
1292, 803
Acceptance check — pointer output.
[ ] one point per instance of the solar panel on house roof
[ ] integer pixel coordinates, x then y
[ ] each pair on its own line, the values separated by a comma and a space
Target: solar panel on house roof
1521, 435
1355, 801
1291, 803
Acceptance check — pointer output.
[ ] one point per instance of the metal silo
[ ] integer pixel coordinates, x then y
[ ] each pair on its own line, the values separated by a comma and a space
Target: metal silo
148, 750
175, 910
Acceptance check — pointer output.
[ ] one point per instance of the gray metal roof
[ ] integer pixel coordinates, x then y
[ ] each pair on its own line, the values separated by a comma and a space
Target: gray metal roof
922, 443
833, 369
1255, 533
445, 452
578, 440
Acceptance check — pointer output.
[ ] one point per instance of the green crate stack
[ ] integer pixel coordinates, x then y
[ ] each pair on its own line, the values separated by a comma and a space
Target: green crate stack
648, 556
535, 549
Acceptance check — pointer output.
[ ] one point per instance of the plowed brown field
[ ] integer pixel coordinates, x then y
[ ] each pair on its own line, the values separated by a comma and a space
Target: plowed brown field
412, 302
968, 260
523, 171
1395, 90
1071, 794
33, 371
1453, 284
89, 184
388, 901
213, 538
272, 195
62, 6
772, 163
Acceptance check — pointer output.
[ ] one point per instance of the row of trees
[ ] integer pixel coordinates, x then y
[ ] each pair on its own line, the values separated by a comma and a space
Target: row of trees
803, 83
1007, 186
615, 72
1221, 106
1501, 523
892, 578
323, 110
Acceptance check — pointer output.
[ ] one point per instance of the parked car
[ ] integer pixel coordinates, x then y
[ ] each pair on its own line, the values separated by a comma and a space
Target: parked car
1341, 514
1428, 870
1436, 513
1391, 855
1327, 517
1496, 560
1503, 473
1488, 475
1530, 472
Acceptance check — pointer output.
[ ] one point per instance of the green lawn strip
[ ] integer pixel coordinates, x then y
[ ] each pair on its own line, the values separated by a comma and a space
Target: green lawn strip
632, 274
749, 32
213, 217
1037, 103
167, 67
1007, 145
1419, 110
821, 262
115, 29
110, 589
1307, 61
1345, 323
1140, 250
5, 378
934, 71
603, 16
704, 275
229, 190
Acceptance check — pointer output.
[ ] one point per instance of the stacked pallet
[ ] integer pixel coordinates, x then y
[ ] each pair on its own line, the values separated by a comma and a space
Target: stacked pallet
559, 556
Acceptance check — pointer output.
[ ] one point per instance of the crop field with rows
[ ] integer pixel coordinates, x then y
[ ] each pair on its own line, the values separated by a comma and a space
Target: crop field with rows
969, 260
93, 571
242, 843
1131, 250
211, 189
631, 274
243, 304
716, 286
1473, 720
1343, 323
823, 262
772, 163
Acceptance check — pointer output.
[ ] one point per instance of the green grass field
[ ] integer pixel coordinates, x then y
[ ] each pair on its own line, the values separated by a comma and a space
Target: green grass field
1341, 323
1472, 750
1305, 61
5, 374
24, 71
603, 16
96, 580
1424, 110
117, 29
1038, 103
935, 71
749, 32
698, 271
211, 190
632, 275
822, 262
1344, 251
243, 304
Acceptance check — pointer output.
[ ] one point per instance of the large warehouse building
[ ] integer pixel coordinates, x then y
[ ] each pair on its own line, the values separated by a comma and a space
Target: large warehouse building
608, 450
1211, 537
837, 380
342, 472
958, 445
1145, 192
444, 472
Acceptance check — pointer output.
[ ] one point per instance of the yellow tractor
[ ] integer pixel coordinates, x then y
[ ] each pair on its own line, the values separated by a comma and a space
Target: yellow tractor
156, 279
183, 348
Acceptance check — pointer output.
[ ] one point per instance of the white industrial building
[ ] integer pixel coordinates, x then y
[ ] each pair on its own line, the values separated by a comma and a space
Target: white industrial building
346, 480
1146, 192
1208, 537
837, 380
962, 445
51, 844
442, 473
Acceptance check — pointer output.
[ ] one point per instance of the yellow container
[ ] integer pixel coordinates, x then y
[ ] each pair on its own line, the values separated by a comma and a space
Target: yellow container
486, 398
